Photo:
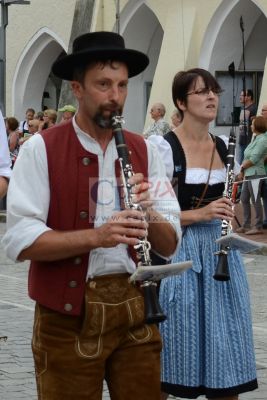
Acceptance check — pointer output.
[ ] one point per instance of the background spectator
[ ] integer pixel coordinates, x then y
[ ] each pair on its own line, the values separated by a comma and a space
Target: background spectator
248, 111
50, 118
253, 168
176, 118
67, 111
159, 126
12, 125
23, 125
33, 128
264, 187
5, 162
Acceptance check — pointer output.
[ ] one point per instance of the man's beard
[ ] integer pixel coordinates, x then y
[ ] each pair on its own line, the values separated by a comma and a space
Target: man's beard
105, 121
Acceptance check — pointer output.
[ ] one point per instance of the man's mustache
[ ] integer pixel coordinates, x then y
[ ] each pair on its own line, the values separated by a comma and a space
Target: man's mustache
112, 108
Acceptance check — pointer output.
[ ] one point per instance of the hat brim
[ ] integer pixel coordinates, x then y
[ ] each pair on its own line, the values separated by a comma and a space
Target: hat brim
135, 60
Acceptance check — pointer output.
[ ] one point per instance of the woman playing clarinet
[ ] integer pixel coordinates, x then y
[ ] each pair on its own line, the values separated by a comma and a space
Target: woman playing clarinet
207, 337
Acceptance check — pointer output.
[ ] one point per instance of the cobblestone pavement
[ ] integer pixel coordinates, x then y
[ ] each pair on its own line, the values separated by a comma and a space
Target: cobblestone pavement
17, 379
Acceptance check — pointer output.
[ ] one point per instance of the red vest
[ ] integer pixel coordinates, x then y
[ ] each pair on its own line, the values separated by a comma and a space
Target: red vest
60, 285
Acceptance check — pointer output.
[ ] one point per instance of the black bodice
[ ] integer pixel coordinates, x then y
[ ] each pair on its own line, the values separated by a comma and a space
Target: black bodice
188, 194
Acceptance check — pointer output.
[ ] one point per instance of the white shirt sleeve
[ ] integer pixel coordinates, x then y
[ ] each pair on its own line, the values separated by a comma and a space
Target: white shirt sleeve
165, 152
28, 198
161, 192
5, 162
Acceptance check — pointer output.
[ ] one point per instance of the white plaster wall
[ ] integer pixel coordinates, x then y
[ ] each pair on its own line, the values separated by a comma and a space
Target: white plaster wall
256, 47
184, 33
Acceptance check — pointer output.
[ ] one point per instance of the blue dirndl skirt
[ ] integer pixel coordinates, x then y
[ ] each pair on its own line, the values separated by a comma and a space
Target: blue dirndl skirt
207, 337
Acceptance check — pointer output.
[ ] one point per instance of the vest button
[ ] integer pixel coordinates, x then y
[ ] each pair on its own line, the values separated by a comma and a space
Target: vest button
67, 307
86, 161
77, 260
83, 214
73, 284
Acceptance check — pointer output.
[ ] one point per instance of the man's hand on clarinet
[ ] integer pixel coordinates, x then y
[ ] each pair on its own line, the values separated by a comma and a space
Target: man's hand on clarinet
125, 226
140, 191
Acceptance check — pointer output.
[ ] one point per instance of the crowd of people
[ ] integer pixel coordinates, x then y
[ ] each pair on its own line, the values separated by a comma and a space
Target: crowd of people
34, 122
71, 220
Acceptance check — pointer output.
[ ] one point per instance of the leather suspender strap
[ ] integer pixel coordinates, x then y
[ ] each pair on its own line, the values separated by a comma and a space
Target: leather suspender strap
207, 183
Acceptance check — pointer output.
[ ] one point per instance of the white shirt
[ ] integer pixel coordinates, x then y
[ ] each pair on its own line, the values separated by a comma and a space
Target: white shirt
159, 127
5, 162
192, 175
29, 196
23, 125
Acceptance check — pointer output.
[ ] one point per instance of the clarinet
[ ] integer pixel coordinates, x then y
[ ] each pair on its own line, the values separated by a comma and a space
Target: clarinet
153, 312
222, 269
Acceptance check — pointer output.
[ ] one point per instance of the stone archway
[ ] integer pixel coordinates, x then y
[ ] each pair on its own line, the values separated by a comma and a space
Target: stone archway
33, 69
148, 39
222, 41
222, 45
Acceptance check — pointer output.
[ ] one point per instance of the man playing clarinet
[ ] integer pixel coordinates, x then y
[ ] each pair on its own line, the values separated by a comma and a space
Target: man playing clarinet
65, 218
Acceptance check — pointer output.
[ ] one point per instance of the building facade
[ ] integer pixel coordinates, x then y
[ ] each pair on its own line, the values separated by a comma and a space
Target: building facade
175, 34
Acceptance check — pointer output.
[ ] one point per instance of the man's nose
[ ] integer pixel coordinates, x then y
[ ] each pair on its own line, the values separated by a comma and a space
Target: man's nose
114, 93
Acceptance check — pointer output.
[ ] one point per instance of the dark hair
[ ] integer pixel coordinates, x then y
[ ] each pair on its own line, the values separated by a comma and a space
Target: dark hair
12, 123
40, 115
184, 81
31, 110
260, 125
249, 93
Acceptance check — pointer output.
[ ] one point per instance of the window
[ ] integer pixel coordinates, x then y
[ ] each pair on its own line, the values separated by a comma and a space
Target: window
229, 104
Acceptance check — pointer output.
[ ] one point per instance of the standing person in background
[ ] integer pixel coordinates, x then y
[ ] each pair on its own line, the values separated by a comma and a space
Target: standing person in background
50, 118
33, 127
252, 168
163, 145
67, 111
13, 137
23, 126
264, 188
39, 115
248, 111
89, 319
5, 162
175, 118
160, 126
207, 336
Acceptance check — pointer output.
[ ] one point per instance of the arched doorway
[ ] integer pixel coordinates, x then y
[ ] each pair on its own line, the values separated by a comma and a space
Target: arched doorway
223, 45
33, 86
147, 38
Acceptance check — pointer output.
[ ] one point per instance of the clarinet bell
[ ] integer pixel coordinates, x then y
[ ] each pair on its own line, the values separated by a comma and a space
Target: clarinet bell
153, 311
222, 270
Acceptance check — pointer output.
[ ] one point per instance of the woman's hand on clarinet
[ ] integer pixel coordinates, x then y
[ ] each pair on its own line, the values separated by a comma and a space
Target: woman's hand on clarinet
140, 191
126, 226
218, 209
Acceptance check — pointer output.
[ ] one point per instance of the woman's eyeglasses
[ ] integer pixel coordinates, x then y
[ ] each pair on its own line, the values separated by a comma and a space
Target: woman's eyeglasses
205, 92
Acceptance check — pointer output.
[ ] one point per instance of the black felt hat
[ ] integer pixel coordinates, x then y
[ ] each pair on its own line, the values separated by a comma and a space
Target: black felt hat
99, 46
